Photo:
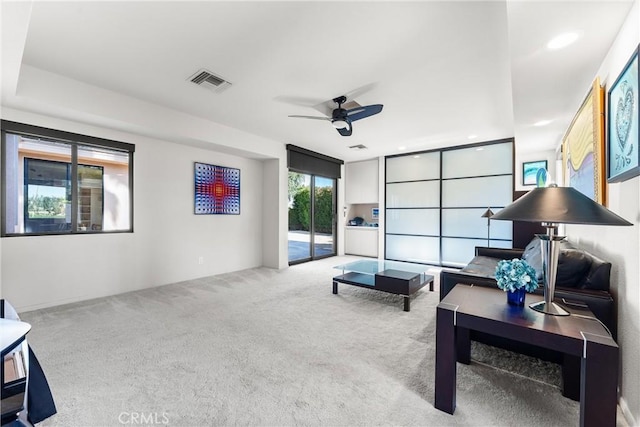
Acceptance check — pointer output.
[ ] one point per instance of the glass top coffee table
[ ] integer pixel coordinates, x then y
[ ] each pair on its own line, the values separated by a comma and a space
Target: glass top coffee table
394, 277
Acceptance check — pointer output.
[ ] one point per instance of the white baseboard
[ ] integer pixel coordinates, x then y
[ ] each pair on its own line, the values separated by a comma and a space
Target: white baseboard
628, 416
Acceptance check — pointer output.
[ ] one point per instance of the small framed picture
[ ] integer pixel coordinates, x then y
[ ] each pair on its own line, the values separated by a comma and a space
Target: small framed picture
530, 171
623, 124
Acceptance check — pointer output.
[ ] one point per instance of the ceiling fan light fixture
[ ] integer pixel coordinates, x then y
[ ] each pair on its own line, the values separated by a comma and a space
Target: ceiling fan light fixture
340, 124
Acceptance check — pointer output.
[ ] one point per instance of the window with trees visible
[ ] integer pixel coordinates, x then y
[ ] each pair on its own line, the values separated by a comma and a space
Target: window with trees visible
300, 204
56, 182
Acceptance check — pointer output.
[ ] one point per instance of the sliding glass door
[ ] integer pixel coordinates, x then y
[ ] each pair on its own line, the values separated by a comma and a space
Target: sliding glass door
435, 201
299, 216
312, 217
324, 209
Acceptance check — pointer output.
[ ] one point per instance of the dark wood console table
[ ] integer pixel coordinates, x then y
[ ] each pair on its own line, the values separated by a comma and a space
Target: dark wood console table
484, 309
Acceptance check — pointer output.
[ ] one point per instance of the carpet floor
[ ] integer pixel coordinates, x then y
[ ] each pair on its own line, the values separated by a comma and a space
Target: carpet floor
275, 348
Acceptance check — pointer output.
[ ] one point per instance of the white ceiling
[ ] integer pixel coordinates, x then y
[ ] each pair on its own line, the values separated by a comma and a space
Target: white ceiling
443, 70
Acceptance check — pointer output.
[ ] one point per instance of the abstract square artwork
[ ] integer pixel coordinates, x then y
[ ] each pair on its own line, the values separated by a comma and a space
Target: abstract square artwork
217, 190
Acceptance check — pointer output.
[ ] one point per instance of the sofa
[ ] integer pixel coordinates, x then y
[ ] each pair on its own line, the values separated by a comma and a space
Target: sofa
582, 279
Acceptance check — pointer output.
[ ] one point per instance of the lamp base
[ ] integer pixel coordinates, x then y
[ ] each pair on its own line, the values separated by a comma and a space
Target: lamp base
553, 308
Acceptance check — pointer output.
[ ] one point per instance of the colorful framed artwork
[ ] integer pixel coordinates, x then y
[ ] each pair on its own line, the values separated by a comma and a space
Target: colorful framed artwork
623, 157
217, 190
583, 151
530, 171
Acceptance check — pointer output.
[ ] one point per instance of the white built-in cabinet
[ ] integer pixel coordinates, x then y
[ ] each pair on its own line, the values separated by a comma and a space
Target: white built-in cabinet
361, 241
361, 195
361, 182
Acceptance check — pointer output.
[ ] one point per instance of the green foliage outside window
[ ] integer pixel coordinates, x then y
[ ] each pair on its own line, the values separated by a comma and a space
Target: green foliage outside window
300, 212
296, 183
324, 210
46, 207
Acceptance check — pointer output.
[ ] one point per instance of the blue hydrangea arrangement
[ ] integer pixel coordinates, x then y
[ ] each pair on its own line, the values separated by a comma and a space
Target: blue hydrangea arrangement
516, 274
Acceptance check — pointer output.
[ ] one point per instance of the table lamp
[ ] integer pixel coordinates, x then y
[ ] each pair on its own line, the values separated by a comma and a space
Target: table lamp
551, 206
488, 214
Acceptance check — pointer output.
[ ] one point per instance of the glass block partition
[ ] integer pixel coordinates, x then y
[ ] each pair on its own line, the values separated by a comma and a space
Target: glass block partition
434, 202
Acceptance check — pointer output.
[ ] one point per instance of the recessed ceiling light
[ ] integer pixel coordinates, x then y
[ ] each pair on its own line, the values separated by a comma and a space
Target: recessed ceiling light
562, 40
416, 157
402, 147
472, 136
480, 149
542, 122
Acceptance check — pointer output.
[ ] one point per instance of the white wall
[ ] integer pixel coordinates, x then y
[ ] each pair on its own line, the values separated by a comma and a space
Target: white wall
621, 245
168, 238
275, 216
341, 212
382, 192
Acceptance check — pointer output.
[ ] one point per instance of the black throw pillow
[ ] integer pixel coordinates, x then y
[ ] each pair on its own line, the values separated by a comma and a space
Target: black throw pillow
533, 255
573, 264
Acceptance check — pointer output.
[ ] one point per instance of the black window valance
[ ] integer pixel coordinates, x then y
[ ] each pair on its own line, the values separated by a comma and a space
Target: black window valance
306, 161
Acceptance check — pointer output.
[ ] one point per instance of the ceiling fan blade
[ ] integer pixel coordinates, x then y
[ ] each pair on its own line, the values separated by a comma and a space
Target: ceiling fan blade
362, 112
300, 101
311, 117
357, 93
346, 131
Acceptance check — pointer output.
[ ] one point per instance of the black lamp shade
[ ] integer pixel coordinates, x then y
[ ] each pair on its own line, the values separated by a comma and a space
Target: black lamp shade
487, 214
562, 205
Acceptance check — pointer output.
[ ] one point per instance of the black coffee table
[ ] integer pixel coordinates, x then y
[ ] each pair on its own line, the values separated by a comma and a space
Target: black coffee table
395, 277
486, 310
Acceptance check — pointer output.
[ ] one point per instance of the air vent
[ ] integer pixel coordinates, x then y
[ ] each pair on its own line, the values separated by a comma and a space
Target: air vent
358, 147
209, 80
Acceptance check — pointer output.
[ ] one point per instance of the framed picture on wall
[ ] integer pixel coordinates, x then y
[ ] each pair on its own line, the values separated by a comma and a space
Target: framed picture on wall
217, 190
530, 171
583, 150
623, 157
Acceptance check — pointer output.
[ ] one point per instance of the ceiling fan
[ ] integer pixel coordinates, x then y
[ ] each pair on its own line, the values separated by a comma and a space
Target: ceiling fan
341, 119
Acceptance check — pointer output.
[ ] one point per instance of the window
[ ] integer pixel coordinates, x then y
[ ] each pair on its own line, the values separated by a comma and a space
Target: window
56, 182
